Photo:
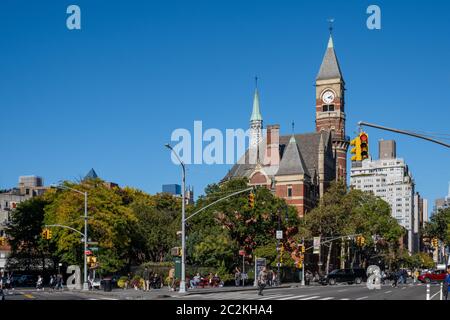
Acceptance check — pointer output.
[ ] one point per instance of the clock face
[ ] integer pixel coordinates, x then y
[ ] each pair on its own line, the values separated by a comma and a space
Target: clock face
328, 97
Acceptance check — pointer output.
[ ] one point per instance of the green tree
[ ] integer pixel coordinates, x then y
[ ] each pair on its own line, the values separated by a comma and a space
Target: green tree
110, 224
234, 222
28, 249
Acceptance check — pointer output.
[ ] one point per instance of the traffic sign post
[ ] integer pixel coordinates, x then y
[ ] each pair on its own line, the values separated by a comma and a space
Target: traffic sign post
279, 234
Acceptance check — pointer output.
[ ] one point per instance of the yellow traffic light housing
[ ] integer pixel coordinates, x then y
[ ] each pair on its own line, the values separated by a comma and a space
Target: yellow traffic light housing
2, 241
46, 234
364, 145
356, 150
251, 200
362, 241
303, 248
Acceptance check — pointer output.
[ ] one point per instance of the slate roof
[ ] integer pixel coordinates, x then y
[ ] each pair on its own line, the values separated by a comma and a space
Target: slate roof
330, 68
308, 151
292, 161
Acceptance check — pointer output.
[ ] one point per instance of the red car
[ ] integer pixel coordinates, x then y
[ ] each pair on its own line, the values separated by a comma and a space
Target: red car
437, 275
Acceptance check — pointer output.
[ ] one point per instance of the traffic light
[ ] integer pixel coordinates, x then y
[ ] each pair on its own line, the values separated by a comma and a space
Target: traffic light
362, 241
364, 145
358, 241
2, 241
46, 234
434, 242
302, 248
49, 234
176, 252
251, 200
356, 143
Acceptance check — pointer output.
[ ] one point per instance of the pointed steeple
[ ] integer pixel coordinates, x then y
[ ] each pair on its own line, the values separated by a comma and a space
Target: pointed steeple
256, 113
330, 68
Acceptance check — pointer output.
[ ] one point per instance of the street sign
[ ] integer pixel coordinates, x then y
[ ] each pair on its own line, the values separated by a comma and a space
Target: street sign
94, 249
88, 252
316, 245
242, 252
279, 234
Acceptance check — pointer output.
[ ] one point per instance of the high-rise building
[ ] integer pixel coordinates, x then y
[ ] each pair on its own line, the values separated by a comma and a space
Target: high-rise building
387, 149
442, 203
389, 178
173, 189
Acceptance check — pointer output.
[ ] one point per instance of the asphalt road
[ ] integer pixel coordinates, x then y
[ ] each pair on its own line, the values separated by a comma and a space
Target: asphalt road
337, 292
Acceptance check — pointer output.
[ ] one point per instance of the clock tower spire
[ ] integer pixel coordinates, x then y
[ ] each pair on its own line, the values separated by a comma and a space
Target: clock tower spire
330, 106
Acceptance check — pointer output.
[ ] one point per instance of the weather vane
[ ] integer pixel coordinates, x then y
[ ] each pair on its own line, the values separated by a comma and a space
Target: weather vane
330, 21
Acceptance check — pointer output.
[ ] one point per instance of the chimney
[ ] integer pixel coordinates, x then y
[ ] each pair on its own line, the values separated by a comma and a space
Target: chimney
272, 156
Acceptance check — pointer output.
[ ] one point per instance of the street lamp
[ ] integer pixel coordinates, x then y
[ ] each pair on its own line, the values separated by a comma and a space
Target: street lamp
183, 224
85, 281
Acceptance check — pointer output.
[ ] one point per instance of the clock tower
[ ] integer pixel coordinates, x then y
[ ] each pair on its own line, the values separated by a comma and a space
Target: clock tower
330, 107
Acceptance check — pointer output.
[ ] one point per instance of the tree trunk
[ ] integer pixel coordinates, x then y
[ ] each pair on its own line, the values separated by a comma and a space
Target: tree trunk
342, 253
328, 258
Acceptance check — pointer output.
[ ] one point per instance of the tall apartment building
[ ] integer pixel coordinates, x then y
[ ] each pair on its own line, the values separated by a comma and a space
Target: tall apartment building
442, 203
390, 179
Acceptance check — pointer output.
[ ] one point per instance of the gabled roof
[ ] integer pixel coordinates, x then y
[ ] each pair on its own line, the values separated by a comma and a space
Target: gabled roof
307, 147
292, 161
330, 68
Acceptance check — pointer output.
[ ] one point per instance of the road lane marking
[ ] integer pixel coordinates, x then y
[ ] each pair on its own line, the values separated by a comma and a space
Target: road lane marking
293, 297
344, 299
431, 298
327, 298
389, 291
362, 298
404, 288
342, 290
275, 296
310, 298
29, 296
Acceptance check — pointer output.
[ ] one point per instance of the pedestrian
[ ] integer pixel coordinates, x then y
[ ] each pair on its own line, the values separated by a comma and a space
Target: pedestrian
195, 280
270, 281
308, 277
39, 283
146, 276
395, 276
262, 281
446, 286
59, 281
275, 278
416, 275
237, 276
171, 283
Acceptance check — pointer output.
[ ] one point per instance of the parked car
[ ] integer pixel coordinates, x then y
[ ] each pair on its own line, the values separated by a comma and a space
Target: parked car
432, 276
344, 275
25, 280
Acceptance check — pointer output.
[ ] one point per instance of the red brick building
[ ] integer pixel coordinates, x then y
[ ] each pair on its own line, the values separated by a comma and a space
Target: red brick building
299, 167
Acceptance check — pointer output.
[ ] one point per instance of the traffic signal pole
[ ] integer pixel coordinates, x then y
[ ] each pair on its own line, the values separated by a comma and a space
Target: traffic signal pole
408, 133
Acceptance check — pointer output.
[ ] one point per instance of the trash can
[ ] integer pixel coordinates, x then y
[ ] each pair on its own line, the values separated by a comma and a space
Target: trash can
107, 284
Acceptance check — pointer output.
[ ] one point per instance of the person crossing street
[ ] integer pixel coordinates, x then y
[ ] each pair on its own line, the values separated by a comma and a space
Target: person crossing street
262, 281
446, 286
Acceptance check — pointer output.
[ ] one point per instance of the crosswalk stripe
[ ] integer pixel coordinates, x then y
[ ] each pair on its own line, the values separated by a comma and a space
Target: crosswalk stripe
293, 297
327, 298
362, 298
344, 299
274, 297
310, 298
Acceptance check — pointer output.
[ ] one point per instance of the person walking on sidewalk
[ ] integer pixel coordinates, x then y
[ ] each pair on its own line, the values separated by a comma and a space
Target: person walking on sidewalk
146, 276
237, 276
446, 286
262, 281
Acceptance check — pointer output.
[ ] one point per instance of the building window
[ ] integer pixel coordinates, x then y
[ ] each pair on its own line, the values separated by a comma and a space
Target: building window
289, 191
328, 108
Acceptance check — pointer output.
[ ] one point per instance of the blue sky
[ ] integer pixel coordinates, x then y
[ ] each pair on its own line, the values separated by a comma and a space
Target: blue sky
110, 95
